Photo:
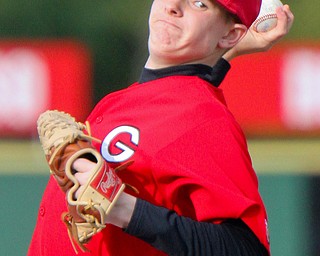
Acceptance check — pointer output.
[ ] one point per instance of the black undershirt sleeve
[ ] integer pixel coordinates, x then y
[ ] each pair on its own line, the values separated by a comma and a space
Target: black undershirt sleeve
179, 236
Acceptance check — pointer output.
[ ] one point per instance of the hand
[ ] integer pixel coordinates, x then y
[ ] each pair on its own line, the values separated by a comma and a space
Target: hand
84, 169
263, 41
121, 213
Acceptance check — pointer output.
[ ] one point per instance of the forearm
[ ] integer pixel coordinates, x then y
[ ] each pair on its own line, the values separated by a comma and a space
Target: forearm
176, 235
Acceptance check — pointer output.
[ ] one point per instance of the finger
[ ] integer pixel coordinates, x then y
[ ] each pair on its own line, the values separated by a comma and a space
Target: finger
83, 165
82, 177
79, 192
285, 19
290, 15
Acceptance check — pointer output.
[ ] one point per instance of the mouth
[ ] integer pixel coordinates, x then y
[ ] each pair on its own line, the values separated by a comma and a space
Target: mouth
169, 23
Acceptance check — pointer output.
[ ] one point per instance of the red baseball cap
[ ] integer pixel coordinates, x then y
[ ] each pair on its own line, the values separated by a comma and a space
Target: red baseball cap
246, 10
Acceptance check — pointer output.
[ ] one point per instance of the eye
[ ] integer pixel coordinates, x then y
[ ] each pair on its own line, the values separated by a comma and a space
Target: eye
199, 4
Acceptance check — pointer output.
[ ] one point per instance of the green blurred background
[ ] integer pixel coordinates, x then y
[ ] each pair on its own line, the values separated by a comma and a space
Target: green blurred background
116, 35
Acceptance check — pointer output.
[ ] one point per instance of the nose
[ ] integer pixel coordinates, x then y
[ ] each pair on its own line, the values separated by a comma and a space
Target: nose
174, 8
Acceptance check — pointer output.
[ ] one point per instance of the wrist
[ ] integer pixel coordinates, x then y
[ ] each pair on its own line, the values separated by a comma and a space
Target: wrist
229, 55
122, 211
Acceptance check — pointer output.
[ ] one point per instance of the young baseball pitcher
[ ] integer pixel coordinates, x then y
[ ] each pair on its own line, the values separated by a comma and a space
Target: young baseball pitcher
191, 186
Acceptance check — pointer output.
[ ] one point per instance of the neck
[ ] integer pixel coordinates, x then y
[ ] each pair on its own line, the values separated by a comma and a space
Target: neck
157, 63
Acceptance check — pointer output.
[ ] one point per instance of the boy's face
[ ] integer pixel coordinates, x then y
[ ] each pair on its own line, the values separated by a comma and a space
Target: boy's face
185, 31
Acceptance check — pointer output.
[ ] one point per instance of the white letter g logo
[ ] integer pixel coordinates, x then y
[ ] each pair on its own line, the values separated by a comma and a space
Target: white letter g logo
126, 151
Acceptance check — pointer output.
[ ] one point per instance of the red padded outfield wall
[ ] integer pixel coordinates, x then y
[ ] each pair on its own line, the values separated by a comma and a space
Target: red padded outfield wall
277, 93
40, 75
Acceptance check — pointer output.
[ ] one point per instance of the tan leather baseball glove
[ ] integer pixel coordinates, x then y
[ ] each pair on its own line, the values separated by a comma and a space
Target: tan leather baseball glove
64, 140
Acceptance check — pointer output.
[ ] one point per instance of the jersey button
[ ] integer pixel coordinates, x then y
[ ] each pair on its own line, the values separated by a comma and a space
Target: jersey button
42, 211
99, 119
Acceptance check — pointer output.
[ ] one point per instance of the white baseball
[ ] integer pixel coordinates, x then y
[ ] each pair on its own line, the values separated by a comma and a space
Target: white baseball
267, 18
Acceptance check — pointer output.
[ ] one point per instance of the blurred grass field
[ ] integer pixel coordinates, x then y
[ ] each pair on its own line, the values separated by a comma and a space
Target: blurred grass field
22, 157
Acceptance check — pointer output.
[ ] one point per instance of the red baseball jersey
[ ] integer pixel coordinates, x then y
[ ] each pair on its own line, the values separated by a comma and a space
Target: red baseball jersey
189, 154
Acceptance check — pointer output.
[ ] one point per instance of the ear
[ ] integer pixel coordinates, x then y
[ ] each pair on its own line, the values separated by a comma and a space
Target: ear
234, 35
